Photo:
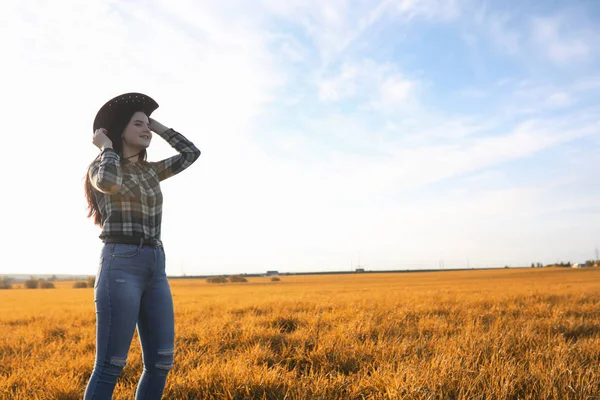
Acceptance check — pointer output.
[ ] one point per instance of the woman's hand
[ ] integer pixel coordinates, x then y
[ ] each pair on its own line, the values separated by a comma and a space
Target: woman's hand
156, 126
101, 140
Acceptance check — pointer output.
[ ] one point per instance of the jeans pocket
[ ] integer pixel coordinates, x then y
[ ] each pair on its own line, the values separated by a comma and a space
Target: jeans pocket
126, 250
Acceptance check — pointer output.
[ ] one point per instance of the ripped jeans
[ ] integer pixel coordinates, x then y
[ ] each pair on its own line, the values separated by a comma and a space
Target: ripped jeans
132, 289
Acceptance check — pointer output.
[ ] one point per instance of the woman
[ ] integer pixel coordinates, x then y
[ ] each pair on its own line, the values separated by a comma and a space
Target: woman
131, 288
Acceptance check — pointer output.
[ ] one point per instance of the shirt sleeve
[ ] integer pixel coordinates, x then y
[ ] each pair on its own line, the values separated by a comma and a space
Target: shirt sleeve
188, 153
105, 172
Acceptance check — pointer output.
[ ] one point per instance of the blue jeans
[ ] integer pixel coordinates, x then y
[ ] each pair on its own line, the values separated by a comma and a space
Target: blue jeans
132, 289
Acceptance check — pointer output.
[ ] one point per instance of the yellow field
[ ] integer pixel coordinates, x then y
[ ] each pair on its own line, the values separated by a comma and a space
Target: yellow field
503, 334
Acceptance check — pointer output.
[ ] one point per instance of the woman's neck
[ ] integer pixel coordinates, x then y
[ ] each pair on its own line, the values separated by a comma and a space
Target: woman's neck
129, 153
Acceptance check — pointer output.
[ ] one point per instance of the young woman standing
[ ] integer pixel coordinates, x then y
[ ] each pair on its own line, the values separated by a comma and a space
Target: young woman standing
131, 287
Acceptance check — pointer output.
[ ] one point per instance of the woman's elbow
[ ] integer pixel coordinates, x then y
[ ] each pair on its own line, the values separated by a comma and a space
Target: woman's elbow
107, 187
193, 155
196, 153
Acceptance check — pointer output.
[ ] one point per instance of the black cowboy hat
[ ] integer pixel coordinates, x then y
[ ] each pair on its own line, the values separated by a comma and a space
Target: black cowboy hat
123, 104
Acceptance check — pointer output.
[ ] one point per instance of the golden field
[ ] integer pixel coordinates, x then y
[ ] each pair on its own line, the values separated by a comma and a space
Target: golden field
498, 334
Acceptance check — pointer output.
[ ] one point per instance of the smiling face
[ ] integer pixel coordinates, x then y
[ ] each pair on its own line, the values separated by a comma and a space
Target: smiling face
137, 134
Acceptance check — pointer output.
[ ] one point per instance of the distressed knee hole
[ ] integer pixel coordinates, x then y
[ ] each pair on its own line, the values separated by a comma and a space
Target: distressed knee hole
118, 361
166, 352
164, 366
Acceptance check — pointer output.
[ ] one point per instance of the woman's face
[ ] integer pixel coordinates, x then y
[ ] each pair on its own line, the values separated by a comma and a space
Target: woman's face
137, 132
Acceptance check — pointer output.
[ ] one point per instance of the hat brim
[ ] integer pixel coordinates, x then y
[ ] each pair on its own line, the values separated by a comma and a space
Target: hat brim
127, 102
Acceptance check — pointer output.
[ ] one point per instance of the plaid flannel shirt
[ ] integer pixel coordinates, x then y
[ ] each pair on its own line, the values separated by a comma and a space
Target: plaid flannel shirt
128, 193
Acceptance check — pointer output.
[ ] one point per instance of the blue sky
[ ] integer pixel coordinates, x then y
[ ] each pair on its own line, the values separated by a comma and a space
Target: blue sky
408, 132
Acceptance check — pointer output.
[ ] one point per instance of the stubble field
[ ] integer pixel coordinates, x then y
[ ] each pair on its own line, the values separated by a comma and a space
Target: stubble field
501, 334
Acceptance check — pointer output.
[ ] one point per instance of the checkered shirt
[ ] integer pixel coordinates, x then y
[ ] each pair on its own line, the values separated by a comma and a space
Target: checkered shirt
129, 195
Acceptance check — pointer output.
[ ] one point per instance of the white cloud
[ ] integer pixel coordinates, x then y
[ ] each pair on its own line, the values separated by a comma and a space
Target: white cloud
537, 98
293, 51
563, 38
432, 9
560, 100
331, 25
559, 43
381, 166
341, 86
335, 25
379, 87
589, 83
503, 35
449, 128
395, 91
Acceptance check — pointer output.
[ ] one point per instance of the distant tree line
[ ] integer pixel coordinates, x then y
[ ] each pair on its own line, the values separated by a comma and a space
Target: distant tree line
536, 265
560, 264
31, 283
233, 279
223, 279
89, 283
568, 264
6, 283
34, 283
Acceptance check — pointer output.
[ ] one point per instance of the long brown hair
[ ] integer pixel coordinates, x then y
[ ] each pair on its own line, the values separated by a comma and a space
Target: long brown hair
115, 133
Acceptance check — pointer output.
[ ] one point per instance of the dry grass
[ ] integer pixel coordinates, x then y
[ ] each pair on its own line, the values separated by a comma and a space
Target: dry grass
504, 334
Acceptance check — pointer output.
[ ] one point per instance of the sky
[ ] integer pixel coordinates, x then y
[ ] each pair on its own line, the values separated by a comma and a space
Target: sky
385, 134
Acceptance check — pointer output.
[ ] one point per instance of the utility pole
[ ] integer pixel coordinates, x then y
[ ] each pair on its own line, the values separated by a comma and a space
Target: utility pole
596, 253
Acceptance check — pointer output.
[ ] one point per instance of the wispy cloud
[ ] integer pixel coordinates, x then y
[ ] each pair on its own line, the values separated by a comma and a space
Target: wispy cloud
431, 9
341, 86
336, 25
502, 32
369, 85
396, 91
561, 41
563, 37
